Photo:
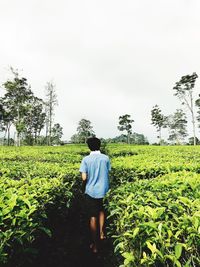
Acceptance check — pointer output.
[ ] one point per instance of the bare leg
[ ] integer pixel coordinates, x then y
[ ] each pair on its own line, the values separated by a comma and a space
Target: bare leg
93, 230
101, 224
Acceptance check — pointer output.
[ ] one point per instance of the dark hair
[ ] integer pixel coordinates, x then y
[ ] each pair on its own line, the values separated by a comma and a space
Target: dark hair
93, 143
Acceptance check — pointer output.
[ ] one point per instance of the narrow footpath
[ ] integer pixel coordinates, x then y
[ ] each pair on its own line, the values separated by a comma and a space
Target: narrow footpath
69, 244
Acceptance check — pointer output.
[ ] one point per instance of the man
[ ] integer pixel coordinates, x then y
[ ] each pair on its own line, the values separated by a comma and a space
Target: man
94, 172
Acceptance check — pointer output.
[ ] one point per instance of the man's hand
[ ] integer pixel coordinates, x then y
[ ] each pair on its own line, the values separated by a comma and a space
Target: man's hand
84, 176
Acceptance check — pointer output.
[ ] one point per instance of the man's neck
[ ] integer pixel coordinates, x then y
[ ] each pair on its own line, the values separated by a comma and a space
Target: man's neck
95, 152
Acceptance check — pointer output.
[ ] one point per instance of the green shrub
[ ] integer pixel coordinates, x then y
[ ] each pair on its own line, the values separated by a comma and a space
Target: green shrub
157, 222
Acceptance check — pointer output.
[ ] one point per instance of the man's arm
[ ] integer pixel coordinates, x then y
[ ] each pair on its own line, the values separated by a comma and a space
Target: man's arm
84, 176
83, 170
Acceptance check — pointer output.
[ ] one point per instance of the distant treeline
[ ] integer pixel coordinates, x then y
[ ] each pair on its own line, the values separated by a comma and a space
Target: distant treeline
30, 116
27, 114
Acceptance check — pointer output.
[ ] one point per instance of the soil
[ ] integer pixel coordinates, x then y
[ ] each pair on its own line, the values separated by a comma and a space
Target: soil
69, 245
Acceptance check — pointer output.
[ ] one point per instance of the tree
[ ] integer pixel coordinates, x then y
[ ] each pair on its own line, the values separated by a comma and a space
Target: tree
2, 126
118, 139
184, 91
17, 96
177, 123
135, 138
125, 122
191, 141
20, 108
197, 103
6, 119
51, 102
1, 111
138, 139
57, 133
34, 120
75, 139
158, 120
85, 130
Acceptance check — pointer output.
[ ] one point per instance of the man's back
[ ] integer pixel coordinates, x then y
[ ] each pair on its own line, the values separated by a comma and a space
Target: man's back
94, 170
97, 166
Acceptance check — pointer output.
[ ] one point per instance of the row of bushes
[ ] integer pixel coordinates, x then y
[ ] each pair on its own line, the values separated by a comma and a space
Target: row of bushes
151, 163
24, 209
68, 154
33, 178
33, 182
36, 169
157, 222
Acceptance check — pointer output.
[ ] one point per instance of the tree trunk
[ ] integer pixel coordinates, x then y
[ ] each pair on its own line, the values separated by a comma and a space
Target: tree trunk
177, 141
128, 138
47, 124
160, 136
50, 116
47, 132
38, 136
35, 138
193, 119
18, 139
193, 126
9, 135
18, 134
14, 138
4, 138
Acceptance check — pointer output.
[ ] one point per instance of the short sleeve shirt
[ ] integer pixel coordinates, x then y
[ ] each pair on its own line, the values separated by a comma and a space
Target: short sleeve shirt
97, 167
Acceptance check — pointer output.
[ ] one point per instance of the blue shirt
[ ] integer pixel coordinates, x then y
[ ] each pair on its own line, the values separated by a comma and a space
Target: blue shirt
97, 167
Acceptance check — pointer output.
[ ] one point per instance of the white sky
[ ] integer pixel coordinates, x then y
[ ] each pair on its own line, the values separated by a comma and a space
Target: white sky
107, 58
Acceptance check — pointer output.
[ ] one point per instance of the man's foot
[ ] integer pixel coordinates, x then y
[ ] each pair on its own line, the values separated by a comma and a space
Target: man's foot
102, 236
93, 248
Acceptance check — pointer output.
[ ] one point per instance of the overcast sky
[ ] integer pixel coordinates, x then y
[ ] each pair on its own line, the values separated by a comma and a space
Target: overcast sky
107, 58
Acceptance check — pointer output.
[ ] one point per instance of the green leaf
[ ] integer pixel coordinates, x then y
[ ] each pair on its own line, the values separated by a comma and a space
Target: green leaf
128, 258
119, 246
178, 250
151, 247
178, 264
46, 230
136, 231
187, 263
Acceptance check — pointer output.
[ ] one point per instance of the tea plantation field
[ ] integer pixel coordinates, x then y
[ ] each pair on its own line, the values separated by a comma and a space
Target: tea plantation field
153, 206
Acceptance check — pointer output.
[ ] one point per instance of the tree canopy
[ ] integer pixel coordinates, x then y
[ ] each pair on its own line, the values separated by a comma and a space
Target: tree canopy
125, 124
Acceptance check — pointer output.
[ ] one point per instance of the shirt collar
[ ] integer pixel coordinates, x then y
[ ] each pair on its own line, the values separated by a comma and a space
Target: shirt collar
95, 152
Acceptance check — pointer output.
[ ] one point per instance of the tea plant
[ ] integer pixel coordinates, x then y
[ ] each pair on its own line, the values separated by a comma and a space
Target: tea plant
157, 222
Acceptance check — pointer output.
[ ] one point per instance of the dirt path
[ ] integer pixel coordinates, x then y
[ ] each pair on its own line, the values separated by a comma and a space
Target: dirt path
69, 244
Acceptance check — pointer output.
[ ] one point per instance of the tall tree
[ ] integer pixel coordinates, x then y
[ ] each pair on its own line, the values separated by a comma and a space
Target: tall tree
75, 138
2, 126
138, 139
158, 120
177, 124
17, 95
125, 124
34, 120
191, 141
51, 102
197, 103
85, 130
1, 110
57, 133
7, 119
184, 91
